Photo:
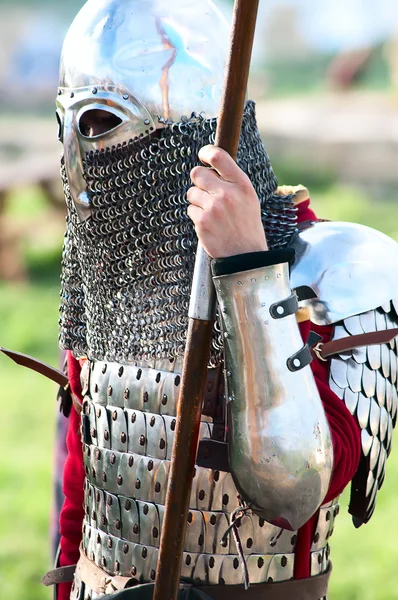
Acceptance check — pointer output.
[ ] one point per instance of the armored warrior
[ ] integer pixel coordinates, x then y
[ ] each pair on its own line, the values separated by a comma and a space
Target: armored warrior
137, 105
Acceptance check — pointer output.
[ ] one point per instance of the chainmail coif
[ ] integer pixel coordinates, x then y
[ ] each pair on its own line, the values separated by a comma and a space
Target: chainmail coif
127, 270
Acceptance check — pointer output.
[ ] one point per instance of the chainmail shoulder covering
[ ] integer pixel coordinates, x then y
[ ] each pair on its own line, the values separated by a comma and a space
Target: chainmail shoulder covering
127, 270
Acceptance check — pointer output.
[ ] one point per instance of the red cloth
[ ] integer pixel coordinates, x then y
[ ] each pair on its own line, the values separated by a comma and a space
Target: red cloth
346, 444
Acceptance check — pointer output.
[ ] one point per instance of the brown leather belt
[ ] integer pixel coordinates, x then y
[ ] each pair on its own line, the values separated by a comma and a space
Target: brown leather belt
101, 583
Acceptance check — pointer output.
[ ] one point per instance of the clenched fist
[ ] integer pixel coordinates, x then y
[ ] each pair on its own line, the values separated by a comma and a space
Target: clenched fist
224, 207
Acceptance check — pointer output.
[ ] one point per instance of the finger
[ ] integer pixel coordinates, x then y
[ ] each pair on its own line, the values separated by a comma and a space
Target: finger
206, 179
223, 163
198, 197
195, 213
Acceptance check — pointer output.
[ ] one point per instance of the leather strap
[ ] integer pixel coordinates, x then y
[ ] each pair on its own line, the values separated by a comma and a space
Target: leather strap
323, 351
312, 588
59, 575
100, 582
36, 365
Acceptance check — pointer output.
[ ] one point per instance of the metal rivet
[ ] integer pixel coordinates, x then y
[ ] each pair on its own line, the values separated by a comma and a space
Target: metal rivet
157, 487
177, 381
72, 94
316, 538
95, 389
188, 560
216, 475
266, 278
153, 574
106, 435
260, 563
114, 415
147, 122
109, 390
213, 520
328, 516
117, 566
211, 562
173, 425
280, 310
98, 538
125, 96
142, 440
145, 510
145, 397
104, 368
113, 458
150, 465
284, 561
139, 373
125, 548
109, 501
236, 563
201, 540
59, 92
226, 335
162, 444
136, 529
131, 461
296, 363
278, 276
94, 91
155, 532
320, 559
239, 283
164, 400
103, 476
152, 421
225, 499
121, 371
99, 412
190, 517
158, 376
137, 484
133, 418
201, 495
126, 394
133, 571
144, 553
98, 454
254, 280
103, 520
119, 480
249, 543
123, 437
118, 525
127, 505
93, 433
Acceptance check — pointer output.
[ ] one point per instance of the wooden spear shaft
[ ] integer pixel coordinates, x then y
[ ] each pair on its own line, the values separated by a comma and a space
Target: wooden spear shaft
201, 319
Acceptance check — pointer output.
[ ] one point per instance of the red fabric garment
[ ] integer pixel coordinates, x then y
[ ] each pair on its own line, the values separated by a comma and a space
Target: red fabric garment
72, 513
346, 444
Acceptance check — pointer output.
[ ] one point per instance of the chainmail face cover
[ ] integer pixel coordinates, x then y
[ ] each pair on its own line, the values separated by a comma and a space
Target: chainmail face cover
127, 270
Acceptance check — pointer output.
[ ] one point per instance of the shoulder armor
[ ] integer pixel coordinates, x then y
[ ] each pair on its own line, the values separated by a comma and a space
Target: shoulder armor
351, 269
366, 380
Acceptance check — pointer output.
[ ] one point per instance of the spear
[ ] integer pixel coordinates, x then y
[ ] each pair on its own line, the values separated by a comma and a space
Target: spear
201, 319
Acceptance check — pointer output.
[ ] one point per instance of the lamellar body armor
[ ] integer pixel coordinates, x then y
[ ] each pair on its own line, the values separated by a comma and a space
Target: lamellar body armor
127, 270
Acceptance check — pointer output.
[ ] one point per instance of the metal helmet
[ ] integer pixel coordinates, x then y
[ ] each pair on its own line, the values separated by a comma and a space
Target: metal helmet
147, 62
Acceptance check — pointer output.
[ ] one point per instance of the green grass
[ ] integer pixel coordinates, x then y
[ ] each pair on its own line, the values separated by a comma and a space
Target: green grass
364, 560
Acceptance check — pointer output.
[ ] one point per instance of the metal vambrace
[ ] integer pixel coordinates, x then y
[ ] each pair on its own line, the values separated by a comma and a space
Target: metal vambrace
281, 453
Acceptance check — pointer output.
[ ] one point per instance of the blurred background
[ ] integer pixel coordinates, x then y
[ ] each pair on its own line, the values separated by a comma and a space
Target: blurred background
325, 76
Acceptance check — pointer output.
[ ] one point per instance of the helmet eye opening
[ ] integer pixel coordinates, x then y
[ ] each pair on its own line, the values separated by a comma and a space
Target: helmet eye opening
96, 122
